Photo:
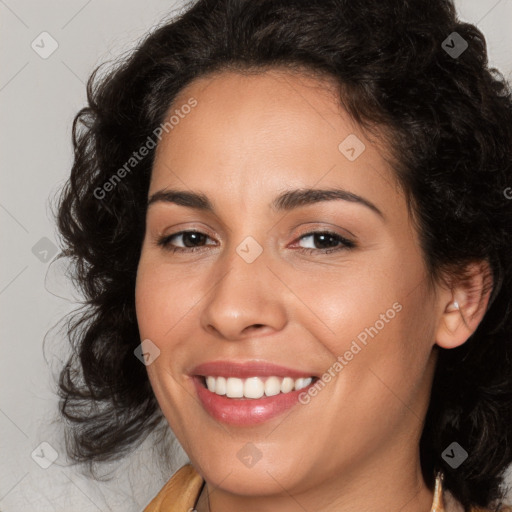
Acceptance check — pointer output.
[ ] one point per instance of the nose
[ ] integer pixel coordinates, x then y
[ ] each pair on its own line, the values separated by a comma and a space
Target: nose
246, 300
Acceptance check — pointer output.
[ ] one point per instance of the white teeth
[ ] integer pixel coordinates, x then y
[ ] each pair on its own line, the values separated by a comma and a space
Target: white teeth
255, 387
287, 385
272, 386
210, 384
234, 387
220, 385
302, 383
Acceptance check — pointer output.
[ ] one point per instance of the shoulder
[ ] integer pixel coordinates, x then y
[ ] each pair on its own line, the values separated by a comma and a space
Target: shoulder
179, 493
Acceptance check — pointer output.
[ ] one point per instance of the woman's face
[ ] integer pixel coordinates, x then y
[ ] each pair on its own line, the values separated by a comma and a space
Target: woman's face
261, 290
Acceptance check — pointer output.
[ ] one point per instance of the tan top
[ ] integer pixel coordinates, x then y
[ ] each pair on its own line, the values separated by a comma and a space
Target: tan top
181, 492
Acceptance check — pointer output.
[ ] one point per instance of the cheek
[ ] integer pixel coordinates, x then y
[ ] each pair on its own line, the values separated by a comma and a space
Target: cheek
378, 322
157, 312
166, 307
353, 305
387, 368
162, 298
159, 307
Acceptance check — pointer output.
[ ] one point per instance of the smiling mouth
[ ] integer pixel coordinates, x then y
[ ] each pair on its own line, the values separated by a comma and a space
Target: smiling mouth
254, 387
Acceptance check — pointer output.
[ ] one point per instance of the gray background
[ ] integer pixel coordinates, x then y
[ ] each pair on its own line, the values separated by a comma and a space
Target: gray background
38, 99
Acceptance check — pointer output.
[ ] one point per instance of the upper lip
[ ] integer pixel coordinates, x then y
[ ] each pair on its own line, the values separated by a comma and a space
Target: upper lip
247, 369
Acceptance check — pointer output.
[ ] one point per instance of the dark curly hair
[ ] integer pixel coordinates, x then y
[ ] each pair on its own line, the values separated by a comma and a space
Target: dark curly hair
448, 123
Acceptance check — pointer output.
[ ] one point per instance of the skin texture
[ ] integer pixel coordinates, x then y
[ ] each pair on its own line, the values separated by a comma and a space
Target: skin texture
355, 445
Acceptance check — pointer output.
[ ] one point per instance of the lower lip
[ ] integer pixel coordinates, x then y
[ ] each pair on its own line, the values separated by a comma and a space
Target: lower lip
248, 411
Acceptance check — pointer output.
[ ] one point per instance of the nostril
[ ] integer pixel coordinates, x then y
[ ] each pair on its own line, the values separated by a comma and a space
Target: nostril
254, 326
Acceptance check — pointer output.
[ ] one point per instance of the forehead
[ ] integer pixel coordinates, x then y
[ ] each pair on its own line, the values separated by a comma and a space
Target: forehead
268, 111
264, 130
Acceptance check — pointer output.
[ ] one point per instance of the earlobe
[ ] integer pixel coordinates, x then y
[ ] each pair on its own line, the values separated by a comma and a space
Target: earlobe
466, 306
453, 330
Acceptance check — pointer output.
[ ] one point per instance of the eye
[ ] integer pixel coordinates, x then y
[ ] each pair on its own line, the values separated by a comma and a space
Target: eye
330, 241
188, 237
194, 240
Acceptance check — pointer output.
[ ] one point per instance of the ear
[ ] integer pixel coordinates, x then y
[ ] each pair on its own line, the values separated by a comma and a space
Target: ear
464, 305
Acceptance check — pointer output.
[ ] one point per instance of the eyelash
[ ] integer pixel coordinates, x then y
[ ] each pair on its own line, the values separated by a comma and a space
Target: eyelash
346, 244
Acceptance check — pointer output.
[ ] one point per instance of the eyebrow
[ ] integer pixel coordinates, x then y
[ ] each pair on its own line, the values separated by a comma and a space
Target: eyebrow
286, 201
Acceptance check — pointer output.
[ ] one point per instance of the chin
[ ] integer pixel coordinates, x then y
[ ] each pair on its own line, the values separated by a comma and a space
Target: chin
264, 480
